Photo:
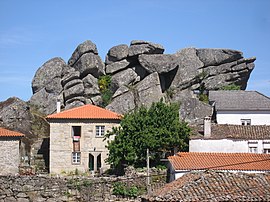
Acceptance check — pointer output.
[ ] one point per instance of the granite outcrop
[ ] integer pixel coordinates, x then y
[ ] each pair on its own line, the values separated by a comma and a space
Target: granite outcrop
139, 74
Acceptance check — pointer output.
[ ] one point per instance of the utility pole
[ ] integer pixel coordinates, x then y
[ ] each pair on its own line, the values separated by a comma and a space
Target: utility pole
148, 171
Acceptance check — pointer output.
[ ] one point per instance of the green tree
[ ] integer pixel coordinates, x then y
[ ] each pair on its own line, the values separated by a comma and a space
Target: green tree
104, 83
231, 87
157, 128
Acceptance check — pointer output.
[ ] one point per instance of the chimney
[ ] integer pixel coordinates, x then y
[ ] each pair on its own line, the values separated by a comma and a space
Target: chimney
58, 106
207, 127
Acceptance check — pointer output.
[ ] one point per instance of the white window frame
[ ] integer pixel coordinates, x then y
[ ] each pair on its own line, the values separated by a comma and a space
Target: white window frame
100, 130
253, 149
76, 157
246, 122
266, 151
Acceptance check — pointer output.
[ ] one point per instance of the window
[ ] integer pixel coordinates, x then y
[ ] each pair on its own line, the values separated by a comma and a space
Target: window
266, 151
76, 157
76, 146
100, 131
76, 136
253, 146
266, 147
253, 150
76, 133
246, 122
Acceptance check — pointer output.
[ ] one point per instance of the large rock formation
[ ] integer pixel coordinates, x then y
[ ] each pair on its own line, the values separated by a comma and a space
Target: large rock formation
140, 74
72, 84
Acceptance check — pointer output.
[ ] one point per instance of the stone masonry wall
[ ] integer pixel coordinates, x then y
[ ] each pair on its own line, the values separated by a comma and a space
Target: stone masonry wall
61, 145
9, 158
70, 188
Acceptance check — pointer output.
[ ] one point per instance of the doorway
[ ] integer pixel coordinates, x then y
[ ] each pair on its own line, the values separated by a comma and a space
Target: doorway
91, 162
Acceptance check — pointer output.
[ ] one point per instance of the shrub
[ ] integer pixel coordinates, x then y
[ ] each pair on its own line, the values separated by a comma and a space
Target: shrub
104, 83
119, 188
231, 87
203, 98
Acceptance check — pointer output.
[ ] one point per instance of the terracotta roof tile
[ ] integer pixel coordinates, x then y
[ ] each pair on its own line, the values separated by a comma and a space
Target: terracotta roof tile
86, 112
9, 133
215, 186
220, 161
251, 132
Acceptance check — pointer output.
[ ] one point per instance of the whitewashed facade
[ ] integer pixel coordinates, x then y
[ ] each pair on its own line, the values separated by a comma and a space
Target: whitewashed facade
242, 124
243, 117
239, 107
229, 146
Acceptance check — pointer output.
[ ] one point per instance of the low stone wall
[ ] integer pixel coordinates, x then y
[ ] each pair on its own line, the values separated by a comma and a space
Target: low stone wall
71, 188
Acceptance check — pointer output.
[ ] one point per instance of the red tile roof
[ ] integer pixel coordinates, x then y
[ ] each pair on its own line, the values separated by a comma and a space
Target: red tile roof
9, 133
220, 161
215, 186
252, 132
86, 112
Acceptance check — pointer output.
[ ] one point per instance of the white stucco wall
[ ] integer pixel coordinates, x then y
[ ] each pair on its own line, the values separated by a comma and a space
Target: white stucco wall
180, 173
234, 117
61, 145
226, 145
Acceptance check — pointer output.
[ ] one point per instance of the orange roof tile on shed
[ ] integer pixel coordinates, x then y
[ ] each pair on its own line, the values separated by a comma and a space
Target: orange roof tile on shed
220, 161
214, 186
9, 133
86, 112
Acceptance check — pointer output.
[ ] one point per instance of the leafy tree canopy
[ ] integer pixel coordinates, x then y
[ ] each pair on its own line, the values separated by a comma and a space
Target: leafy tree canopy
104, 83
157, 128
231, 87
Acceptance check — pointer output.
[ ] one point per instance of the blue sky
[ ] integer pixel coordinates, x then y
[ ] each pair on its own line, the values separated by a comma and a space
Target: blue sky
32, 32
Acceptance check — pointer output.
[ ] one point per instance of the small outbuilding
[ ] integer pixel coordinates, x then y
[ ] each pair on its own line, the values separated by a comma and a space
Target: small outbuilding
10, 152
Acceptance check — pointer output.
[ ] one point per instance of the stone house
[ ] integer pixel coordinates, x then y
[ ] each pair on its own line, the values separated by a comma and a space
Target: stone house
9, 148
77, 138
240, 107
215, 186
184, 162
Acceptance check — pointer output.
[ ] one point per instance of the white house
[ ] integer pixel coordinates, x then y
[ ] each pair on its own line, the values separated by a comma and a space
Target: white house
232, 139
239, 140
243, 124
240, 107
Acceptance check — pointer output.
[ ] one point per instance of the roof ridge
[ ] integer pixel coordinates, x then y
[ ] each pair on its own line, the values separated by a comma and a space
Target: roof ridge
262, 95
72, 109
88, 111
